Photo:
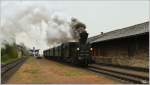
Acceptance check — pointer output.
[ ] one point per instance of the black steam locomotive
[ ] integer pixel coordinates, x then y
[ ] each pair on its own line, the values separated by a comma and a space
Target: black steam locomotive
77, 53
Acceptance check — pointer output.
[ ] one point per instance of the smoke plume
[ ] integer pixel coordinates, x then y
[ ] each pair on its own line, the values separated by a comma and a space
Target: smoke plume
36, 26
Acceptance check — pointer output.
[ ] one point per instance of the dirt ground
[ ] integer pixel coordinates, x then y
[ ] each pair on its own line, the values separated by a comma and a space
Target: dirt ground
42, 71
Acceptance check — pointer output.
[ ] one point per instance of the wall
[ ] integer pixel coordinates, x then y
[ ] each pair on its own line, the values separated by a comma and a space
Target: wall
131, 51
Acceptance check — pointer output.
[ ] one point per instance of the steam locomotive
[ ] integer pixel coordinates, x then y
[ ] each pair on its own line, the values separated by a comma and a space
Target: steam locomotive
77, 53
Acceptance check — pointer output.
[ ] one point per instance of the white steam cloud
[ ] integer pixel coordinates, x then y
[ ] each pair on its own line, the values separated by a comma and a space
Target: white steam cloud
36, 26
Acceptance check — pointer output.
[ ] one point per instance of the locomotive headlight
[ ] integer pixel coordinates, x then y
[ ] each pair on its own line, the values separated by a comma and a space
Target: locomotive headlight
78, 48
91, 49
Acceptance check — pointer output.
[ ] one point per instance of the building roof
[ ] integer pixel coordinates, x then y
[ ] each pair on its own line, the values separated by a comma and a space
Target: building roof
91, 39
121, 33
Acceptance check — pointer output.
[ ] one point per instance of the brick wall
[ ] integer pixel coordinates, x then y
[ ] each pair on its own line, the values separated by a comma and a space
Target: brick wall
131, 51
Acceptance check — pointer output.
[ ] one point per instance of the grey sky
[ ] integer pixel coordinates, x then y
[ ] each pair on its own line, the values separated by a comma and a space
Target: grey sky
99, 16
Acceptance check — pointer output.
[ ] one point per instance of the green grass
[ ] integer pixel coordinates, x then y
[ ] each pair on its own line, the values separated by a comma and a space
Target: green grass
32, 71
72, 73
8, 60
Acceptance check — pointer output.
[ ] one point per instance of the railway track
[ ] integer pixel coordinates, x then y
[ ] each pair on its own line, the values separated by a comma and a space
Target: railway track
130, 75
9, 69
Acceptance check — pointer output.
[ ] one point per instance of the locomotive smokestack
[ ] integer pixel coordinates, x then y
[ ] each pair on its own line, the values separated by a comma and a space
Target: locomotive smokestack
78, 31
102, 33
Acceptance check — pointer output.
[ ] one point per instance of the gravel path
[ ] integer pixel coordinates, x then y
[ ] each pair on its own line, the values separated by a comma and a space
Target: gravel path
42, 71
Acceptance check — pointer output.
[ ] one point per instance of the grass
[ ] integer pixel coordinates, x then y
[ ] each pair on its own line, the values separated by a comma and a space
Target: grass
9, 53
30, 61
72, 73
32, 71
8, 60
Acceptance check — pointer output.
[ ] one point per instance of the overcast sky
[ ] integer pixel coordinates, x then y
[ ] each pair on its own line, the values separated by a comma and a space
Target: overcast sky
99, 16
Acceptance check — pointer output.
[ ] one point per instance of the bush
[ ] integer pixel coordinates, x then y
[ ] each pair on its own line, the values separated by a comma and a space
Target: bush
9, 53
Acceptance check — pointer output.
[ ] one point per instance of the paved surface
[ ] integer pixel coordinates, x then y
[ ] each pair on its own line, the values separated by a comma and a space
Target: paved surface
42, 71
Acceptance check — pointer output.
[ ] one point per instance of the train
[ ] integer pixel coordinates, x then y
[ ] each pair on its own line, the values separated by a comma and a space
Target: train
76, 53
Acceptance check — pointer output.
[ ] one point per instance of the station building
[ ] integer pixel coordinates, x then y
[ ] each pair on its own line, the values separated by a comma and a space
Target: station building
126, 47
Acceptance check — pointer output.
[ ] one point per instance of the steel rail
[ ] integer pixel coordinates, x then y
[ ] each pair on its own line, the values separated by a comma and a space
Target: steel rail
9, 69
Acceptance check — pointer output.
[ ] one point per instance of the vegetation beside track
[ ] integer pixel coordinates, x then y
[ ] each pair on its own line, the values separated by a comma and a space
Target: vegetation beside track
12, 52
9, 53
